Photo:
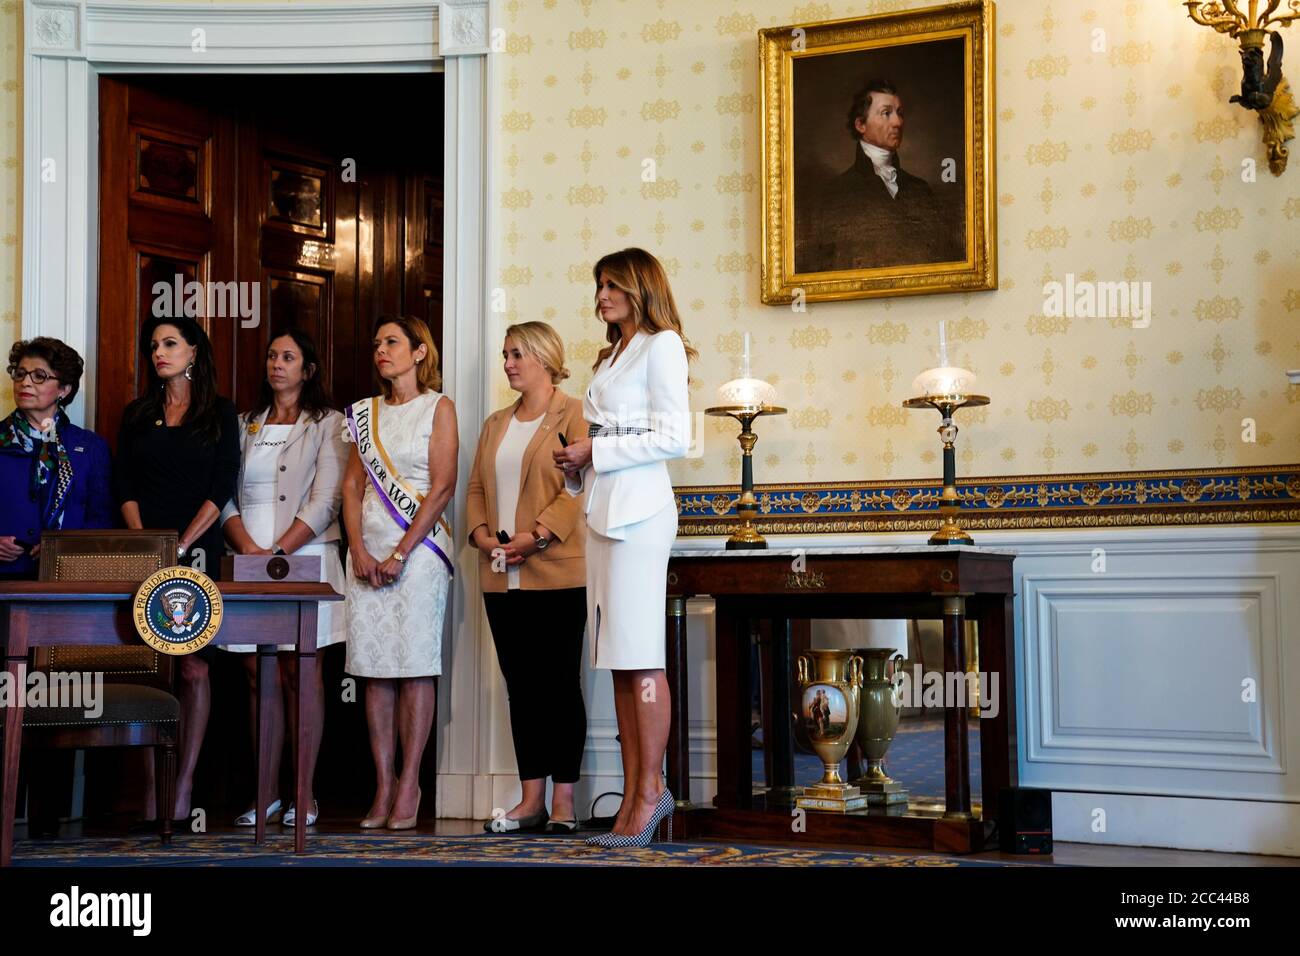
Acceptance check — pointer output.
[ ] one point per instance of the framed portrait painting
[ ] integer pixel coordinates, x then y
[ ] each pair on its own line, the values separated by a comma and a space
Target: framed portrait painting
878, 155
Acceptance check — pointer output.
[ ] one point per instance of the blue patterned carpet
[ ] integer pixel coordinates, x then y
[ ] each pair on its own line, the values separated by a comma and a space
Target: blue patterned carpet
915, 760
333, 849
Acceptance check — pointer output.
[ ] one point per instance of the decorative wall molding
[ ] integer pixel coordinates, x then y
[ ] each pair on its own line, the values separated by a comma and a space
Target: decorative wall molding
463, 27
1130, 671
1182, 644
262, 38
55, 27
1186, 823
1111, 499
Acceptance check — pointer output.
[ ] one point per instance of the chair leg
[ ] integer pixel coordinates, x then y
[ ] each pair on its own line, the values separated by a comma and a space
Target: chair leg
47, 773
165, 787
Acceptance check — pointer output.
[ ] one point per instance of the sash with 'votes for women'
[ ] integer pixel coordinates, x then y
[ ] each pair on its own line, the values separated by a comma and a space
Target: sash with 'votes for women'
401, 500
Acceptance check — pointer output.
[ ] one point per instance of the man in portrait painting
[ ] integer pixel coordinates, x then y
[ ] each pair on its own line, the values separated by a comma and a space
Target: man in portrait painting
875, 213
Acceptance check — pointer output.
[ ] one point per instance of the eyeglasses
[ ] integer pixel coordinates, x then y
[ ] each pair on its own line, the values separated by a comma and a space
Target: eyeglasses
39, 375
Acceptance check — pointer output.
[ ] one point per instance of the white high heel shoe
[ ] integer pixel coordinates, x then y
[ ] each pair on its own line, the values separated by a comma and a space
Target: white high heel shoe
249, 817
291, 815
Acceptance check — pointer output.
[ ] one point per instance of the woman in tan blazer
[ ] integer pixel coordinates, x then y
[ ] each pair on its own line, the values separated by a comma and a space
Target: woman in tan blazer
287, 501
534, 581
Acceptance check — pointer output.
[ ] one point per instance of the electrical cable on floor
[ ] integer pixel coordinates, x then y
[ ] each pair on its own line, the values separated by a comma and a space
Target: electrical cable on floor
595, 822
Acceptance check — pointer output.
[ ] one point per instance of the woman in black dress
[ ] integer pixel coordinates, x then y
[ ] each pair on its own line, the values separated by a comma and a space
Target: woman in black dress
178, 460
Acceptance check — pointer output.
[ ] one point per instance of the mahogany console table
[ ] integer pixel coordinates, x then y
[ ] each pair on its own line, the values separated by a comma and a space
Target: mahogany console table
915, 582
34, 614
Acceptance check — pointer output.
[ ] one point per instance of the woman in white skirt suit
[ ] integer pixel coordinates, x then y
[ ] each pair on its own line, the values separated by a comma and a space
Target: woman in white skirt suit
638, 410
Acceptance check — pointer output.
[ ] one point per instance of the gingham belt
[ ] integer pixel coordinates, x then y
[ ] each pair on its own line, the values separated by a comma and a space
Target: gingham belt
600, 431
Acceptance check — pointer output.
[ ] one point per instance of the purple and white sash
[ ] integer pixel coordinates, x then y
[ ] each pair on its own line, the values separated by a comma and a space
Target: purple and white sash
401, 501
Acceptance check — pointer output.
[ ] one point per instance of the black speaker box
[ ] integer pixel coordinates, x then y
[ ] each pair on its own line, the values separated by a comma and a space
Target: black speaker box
1025, 820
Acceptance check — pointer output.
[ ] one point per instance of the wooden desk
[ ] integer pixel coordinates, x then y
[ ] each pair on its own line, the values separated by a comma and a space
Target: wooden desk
34, 614
921, 582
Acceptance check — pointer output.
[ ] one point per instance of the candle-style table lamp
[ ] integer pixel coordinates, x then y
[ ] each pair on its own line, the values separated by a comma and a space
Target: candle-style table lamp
947, 389
745, 399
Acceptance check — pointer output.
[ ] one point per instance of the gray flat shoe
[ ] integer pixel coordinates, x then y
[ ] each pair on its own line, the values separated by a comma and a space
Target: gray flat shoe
533, 824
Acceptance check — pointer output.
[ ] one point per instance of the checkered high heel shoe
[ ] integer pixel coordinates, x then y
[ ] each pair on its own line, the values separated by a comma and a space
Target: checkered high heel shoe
664, 808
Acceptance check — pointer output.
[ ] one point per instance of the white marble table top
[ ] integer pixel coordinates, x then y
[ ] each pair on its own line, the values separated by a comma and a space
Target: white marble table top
862, 550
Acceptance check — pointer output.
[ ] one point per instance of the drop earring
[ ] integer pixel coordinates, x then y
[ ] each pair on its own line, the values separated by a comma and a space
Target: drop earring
189, 371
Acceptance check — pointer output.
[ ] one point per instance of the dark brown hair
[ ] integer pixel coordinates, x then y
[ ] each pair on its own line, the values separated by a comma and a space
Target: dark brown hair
202, 412
64, 361
862, 103
314, 400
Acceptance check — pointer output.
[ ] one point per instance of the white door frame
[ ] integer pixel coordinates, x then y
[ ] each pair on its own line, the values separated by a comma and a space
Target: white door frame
68, 43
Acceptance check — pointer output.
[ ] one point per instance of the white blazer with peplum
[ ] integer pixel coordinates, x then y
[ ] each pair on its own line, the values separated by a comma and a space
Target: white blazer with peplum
645, 387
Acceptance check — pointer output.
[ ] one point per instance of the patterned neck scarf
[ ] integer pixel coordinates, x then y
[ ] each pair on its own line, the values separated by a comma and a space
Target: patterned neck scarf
51, 475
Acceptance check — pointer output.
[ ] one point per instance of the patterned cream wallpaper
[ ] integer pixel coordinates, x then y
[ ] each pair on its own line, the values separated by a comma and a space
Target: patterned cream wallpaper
1122, 165
11, 183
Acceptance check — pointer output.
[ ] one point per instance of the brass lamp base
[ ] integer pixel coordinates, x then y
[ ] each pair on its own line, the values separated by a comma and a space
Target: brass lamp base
746, 537
949, 531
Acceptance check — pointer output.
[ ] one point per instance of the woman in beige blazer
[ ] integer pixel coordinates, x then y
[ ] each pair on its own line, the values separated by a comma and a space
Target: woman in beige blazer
534, 582
287, 501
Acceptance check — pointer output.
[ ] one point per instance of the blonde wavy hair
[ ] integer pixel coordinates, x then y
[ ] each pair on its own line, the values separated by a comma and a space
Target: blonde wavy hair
427, 374
642, 279
543, 343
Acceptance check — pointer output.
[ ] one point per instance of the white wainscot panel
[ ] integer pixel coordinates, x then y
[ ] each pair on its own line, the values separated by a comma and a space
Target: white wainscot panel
1150, 671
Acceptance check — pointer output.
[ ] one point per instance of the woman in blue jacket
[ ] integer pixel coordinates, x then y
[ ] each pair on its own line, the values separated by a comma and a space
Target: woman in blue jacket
53, 474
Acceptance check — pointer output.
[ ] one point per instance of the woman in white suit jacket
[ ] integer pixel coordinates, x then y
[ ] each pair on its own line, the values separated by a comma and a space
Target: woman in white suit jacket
287, 500
638, 412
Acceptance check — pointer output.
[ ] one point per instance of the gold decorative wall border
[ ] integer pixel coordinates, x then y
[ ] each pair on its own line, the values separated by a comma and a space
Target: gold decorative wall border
1194, 496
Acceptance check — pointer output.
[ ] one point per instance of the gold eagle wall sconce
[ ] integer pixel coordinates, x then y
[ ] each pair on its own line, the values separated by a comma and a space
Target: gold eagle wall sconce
1263, 88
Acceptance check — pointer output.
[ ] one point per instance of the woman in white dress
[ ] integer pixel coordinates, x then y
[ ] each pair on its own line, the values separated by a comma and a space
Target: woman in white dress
638, 410
287, 502
401, 474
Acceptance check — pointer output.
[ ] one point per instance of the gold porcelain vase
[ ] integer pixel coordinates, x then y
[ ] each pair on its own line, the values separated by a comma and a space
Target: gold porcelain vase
878, 712
828, 712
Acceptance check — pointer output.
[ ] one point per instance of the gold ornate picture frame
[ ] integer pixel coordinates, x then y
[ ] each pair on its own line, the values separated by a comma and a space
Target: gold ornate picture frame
913, 211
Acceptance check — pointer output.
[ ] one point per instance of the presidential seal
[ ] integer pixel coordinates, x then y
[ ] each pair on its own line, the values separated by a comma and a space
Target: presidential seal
177, 610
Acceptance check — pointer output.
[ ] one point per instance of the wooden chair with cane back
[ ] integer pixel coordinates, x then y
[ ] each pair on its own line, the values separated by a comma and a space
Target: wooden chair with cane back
138, 706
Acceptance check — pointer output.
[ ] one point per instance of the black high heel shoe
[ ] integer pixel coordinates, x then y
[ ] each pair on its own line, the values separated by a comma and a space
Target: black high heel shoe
664, 808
